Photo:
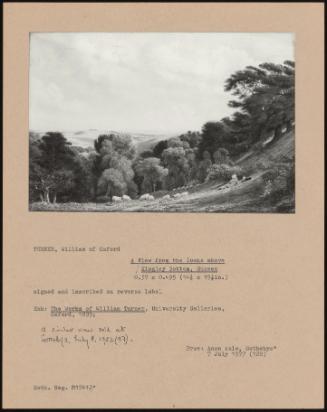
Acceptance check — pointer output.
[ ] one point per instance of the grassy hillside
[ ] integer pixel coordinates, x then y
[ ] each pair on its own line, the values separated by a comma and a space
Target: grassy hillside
247, 196
285, 146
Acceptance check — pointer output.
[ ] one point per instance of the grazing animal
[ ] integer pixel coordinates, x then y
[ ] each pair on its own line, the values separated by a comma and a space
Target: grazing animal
184, 193
116, 199
145, 196
177, 195
126, 197
165, 197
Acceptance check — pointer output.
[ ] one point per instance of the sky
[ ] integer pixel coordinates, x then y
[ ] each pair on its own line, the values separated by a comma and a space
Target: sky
140, 82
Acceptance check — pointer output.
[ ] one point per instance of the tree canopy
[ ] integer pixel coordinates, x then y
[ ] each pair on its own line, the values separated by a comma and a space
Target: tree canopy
263, 98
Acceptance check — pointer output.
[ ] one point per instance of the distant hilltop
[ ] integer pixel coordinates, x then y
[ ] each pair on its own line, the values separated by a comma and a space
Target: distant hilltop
85, 138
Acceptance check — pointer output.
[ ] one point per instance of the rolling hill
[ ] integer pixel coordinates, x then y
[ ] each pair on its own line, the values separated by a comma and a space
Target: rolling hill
85, 138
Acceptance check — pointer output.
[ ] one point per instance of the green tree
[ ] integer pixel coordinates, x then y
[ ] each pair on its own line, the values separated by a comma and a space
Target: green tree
146, 153
114, 152
174, 158
52, 166
192, 138
159, 148
204, 166
120, 144
267, 95
152, 172
213, 137
222, 156
112, 183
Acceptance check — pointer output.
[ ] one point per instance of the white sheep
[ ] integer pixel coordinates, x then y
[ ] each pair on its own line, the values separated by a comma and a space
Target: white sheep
184, 193
177, 195
126, 197
165, 197
116, 199
145, 196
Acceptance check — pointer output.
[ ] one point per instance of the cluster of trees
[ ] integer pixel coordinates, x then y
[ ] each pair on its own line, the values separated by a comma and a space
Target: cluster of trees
57, 170
264, 99
264, 103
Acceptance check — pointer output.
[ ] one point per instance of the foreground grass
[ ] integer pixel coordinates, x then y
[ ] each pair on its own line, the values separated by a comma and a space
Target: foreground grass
210, 197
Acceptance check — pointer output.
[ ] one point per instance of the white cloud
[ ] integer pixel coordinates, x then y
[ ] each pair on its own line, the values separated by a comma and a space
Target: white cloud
140, 81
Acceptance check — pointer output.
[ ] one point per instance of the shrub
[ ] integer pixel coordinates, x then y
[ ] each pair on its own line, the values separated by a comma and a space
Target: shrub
240, 148
279, 180
223, 172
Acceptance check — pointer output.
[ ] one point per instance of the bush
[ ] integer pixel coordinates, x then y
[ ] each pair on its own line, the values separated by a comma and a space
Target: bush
240, 148
223, 172
279, 180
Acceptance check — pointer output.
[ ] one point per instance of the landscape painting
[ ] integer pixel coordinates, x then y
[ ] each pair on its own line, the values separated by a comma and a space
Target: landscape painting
162, 122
